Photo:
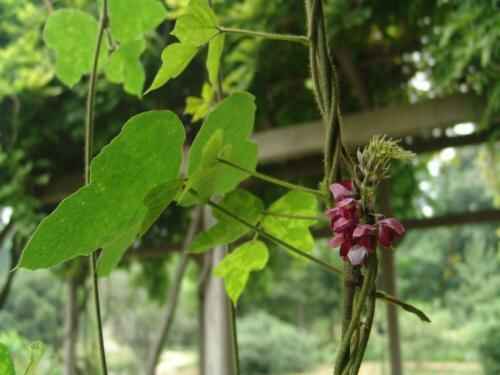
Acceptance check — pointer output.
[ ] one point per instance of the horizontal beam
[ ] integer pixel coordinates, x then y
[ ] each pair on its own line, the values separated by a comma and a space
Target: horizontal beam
400, 121
302, 141
478, 217
448, 220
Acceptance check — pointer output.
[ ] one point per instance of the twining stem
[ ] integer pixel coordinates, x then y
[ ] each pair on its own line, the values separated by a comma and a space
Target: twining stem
274, 239
273, 36
89, 146
368, 282
271, 180
365, 333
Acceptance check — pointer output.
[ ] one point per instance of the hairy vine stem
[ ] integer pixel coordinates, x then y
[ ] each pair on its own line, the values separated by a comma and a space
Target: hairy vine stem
301, 39
272, 180
89, 151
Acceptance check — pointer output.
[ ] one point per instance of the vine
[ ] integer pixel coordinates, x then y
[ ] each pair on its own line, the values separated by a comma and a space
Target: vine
89, 151
138, 174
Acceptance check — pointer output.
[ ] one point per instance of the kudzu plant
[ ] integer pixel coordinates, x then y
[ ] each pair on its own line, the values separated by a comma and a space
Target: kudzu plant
138, 174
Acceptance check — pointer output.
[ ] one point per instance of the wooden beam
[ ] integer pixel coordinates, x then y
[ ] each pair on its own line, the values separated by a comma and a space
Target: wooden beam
306, 140
297, 141
454, 219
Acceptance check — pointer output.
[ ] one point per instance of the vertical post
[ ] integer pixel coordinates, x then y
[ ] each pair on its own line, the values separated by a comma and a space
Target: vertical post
388, 282
218, 345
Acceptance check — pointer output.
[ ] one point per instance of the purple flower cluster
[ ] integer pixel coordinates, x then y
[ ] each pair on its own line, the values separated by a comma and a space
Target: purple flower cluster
356, 239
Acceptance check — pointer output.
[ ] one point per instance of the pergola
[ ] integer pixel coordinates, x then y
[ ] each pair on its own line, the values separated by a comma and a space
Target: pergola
296, 151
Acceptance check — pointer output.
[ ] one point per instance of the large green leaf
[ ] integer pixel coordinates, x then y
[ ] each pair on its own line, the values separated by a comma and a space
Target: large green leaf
215, 48
235, 117
125, 67
242, 203
235, 268
131, 19
175, 58
197, 25
72, 34
6, 364
293, 231
122, 198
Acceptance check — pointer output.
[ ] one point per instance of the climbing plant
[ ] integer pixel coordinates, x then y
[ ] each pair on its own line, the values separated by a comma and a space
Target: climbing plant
134, 178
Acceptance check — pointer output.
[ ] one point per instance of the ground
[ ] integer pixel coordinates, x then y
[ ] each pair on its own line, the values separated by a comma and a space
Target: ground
182, 363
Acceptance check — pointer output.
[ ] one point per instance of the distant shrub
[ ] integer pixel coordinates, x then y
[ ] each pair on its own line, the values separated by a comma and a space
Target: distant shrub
489, 350
271, 346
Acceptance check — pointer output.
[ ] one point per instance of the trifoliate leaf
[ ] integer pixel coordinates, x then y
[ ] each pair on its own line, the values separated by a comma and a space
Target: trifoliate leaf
117, 205
293, 231
72, 34
131, 19
226, 230
175, 58
235, 268
235, 116
6, 364
197, 25
215, 48
124, 66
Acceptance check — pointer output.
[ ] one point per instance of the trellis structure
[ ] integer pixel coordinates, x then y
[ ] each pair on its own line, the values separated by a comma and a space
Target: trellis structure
299, 147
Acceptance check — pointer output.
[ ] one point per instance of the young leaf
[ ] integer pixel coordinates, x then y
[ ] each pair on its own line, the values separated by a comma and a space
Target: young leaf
175, 58
199, 107
202, 181
235, 116
125, 67
6, 364
235, 268
293, 231
244, 204
215, 48
130, 19
198, 25
116, 204
72, 34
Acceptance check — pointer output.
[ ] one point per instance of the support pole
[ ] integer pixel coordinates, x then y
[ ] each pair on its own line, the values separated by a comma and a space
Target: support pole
388, 281
218, 350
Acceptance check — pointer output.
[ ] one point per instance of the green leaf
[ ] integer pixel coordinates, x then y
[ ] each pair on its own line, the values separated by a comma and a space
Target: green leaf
235, 117
130, 19
72, 34
293, 231
215, 48
199, 107
124, 66
235, 268
198, 25
117, 205
6, 364
226, 230
175, 58
203, 180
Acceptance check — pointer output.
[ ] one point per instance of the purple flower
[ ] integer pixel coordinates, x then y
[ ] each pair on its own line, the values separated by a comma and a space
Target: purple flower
389, 230
341, 190
364, 235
